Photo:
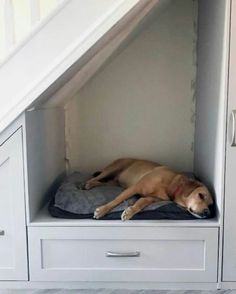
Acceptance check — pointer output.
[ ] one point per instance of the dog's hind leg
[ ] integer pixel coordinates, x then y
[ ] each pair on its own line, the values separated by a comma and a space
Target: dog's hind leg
104, 209
109, 172
139, 205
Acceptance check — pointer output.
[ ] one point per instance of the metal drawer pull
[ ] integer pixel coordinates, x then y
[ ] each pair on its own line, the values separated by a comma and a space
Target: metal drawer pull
2, 233
233, 120
122, 254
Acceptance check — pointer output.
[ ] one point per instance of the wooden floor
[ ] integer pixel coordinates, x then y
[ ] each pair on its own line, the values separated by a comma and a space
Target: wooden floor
112, 291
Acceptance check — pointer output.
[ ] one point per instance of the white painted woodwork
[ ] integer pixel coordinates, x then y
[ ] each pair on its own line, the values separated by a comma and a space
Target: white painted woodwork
60, 251
44, 64
45, 154
79, 254
34, 11
18, 19
13, 250
106, 286
15, 125
211, 100
43, 219
229, 254
9, 25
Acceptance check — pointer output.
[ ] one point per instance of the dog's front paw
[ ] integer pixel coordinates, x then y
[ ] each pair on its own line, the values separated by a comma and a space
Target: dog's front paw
127, 214
100, 212
91, 184
88, 185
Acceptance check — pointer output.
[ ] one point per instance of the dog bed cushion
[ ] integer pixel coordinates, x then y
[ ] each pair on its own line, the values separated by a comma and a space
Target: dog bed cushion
70, 201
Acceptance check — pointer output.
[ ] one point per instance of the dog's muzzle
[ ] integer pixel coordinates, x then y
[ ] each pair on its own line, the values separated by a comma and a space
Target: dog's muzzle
204, 214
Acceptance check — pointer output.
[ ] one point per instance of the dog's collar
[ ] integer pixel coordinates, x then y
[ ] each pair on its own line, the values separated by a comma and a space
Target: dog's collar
177, 191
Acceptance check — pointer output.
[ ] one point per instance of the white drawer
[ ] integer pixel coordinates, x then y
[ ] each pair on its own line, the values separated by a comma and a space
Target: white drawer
163, 254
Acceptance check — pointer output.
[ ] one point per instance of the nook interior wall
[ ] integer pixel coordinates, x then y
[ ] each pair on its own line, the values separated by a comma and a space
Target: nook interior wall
141, 104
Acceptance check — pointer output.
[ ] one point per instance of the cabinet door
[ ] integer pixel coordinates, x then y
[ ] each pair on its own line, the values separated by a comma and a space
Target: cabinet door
229, 254
13, 251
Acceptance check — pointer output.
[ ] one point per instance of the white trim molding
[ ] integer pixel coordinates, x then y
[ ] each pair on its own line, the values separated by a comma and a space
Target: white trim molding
53, 48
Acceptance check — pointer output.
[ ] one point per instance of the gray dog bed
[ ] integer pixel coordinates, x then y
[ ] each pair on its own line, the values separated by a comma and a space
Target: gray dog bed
72, 202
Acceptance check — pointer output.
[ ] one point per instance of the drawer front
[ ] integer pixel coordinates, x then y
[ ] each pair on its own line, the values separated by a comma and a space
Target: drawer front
13, 251
123, 254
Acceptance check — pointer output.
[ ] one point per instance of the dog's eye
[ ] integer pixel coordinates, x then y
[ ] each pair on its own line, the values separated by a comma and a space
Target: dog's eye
201, 196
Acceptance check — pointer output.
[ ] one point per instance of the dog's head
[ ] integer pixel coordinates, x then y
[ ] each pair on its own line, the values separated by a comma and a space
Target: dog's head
192, 195
198, 202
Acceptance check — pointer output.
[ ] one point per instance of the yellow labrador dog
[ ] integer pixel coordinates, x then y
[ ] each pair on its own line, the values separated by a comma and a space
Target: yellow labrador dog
154, 183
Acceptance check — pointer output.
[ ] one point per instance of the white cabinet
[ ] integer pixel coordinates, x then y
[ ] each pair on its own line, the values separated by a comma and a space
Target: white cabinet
57, 138
125, 254
229, 254
13, 250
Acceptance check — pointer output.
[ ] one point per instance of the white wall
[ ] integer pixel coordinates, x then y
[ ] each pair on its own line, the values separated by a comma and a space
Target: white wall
142, 103
212, 94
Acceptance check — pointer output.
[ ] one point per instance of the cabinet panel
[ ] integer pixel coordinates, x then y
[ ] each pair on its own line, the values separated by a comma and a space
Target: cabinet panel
123, 254
229, 254
13, 250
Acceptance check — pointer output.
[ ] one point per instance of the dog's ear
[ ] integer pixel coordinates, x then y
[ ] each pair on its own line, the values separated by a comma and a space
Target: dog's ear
182, 185
189, 186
